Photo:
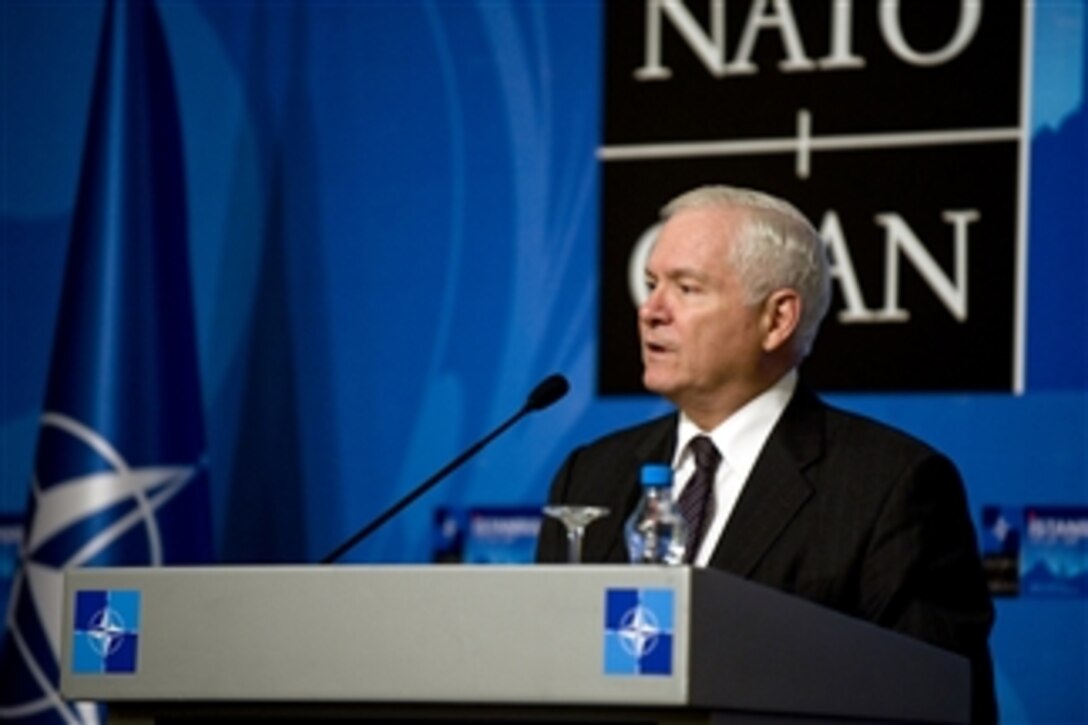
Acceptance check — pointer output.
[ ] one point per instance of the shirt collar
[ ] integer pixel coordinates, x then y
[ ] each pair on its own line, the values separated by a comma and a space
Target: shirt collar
740, 437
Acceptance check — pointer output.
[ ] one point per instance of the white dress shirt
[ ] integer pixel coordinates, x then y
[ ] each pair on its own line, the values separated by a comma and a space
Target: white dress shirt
739, 438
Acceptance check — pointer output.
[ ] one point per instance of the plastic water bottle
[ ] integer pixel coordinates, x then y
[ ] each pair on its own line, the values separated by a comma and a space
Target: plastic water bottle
656, 531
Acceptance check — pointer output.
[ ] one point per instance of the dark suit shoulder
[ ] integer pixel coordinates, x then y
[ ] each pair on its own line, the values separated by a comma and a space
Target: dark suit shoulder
857, 433
845, 422
836, 449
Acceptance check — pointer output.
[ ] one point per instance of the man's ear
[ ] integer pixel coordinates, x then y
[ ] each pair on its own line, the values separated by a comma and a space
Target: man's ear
781, 316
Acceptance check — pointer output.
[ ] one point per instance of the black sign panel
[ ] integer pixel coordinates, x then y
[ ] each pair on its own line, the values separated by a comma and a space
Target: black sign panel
895, 126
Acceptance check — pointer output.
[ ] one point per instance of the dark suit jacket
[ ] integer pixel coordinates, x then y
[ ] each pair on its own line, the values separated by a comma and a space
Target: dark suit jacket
838, 509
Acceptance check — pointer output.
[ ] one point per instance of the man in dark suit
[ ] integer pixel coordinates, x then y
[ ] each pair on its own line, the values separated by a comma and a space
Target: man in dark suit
792, 493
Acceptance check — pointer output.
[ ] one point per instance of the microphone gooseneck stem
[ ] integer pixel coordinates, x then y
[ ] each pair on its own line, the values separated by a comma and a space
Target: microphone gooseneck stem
421, 489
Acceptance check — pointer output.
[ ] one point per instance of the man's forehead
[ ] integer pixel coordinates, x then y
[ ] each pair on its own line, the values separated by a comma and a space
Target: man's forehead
694, 237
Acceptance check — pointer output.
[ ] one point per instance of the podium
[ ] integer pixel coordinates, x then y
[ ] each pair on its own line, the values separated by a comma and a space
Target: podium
476, 644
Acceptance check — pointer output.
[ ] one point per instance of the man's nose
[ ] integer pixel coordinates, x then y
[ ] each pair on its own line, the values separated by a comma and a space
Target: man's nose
653, 309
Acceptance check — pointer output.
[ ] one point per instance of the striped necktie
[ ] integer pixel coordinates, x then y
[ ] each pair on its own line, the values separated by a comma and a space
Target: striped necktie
697, 501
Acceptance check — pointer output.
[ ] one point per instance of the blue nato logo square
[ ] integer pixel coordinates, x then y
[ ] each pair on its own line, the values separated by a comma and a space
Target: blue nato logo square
106, 631
638, 632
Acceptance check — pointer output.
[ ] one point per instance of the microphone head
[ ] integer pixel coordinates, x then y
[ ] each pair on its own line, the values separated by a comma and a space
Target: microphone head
549, 390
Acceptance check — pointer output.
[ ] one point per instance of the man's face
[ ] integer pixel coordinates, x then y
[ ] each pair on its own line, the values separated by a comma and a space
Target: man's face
701, 344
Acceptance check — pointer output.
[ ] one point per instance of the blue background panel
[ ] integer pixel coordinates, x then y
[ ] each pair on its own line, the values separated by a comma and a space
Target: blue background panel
393, 222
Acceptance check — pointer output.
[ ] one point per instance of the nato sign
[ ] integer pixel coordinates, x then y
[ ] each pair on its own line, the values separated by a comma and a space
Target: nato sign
898, 128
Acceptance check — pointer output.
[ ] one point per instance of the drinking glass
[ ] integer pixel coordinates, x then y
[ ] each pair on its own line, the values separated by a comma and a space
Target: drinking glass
575, 519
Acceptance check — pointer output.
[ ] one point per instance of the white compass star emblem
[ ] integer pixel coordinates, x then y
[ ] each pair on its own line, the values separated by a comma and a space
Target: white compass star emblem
106, 631
639, 631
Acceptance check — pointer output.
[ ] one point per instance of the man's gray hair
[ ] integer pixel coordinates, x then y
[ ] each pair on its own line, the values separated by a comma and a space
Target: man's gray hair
777, 247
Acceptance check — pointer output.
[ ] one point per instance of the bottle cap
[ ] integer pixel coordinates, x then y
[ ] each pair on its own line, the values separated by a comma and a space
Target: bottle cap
656, 474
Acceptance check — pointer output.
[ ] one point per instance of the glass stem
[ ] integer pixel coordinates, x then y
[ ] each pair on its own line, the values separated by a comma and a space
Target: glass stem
574, 544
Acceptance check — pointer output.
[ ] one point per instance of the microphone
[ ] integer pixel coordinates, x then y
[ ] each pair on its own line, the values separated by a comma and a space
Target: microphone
547, 392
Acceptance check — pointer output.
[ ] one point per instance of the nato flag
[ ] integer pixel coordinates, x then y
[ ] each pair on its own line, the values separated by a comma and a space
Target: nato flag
120, 475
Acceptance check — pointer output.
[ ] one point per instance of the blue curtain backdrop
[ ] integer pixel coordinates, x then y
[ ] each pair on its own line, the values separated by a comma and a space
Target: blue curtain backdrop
120, 473
392, 215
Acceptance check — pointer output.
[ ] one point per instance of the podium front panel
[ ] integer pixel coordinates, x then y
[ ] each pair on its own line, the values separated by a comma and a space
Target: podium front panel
617, 637
424, 634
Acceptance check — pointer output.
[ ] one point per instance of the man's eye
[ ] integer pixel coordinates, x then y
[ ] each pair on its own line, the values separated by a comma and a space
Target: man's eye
650, 285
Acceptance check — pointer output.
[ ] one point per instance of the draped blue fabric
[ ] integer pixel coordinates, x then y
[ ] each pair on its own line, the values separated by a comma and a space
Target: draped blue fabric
120, 476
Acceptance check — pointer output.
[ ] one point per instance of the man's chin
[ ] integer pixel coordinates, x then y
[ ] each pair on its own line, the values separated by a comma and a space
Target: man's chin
657, 384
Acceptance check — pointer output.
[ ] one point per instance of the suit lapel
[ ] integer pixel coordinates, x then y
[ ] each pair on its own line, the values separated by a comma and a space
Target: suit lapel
776, 488
656, 447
